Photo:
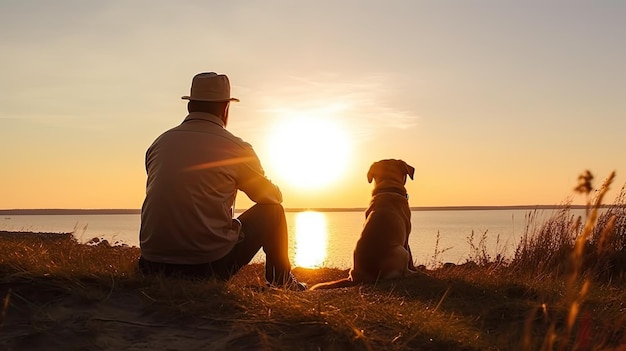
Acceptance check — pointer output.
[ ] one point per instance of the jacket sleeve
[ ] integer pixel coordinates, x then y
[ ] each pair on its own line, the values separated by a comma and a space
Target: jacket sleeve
254, 183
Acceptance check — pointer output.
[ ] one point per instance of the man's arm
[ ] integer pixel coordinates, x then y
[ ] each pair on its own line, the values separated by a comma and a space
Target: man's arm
261, 190
254, 183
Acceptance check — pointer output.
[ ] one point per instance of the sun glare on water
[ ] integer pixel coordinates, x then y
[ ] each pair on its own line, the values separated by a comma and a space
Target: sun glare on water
308, 152
311, 239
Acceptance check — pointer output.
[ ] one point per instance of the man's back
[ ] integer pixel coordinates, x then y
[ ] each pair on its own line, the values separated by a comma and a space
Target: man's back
194, 171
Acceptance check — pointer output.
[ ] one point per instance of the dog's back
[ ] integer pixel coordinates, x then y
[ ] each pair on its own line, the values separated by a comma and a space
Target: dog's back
387, 227
382, 251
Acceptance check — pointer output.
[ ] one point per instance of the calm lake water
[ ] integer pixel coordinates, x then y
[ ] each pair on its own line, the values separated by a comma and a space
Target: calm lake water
327, 238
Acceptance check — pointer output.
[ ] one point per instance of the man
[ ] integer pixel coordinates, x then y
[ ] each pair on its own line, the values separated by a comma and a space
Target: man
194, 171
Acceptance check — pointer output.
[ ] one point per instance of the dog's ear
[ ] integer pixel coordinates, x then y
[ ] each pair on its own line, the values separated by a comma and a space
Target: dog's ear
409, 170
370, 173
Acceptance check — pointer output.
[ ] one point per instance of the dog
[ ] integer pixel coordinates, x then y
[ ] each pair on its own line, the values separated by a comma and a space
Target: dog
382, 251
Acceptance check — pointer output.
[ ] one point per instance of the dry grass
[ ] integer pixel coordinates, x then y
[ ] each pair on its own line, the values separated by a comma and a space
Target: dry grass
579, 253
466, 307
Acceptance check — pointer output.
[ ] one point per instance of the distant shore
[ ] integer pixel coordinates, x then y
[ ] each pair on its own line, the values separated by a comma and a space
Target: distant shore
59, 211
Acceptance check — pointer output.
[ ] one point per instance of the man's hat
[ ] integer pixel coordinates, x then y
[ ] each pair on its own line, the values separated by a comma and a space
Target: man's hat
210, 86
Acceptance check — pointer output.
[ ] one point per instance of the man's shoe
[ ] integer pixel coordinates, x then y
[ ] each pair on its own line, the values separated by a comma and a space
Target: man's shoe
289, 283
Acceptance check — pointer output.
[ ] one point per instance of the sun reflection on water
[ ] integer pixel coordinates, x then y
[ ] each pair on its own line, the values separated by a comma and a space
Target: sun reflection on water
311, 239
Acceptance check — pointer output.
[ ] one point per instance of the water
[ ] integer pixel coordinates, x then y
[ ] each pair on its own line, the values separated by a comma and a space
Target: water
325, 238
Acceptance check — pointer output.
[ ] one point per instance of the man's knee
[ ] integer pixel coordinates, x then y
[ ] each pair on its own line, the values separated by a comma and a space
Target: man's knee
277, 208
269, 210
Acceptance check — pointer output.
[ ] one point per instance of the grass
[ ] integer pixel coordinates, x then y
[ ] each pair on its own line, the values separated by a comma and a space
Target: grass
564, 289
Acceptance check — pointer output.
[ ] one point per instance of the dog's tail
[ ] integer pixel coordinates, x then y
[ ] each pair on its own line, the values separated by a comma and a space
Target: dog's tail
341, 283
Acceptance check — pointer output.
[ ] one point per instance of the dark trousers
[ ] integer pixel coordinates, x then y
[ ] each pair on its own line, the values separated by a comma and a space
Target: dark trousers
263, 226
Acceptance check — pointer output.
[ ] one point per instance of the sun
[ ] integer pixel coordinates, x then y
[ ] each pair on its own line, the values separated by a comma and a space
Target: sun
308, 152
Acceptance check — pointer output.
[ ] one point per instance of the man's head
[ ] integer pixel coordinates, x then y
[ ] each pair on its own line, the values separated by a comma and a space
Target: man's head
210, 92
219, 109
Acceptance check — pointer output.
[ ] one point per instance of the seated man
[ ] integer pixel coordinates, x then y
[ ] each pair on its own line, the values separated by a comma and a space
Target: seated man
194, 171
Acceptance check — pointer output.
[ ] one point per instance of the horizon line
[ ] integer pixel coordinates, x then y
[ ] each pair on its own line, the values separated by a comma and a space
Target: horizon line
64, 211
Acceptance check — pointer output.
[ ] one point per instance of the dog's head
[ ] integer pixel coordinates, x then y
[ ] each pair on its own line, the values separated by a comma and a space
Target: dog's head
390, 170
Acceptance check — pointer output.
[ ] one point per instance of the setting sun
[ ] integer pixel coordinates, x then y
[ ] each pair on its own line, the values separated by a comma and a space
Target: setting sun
308, 152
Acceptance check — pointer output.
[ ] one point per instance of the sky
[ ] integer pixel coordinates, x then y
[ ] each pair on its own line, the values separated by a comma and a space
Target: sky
492, 102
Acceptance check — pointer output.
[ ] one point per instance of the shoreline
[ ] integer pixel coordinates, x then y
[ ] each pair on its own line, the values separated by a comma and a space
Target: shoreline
62, 211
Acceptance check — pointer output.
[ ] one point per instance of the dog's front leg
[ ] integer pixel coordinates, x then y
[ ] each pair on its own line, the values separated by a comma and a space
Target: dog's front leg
411, 263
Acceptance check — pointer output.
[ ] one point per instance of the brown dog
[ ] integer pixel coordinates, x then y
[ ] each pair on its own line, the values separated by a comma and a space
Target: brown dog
382, 251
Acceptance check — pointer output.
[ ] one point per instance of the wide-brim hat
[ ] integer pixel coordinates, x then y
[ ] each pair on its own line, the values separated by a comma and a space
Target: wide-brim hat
211, 87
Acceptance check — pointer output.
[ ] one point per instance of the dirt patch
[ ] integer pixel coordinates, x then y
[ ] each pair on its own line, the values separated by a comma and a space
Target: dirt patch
40, 317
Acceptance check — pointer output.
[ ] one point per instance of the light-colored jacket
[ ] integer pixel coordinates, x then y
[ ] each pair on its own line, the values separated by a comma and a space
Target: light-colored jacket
194, 171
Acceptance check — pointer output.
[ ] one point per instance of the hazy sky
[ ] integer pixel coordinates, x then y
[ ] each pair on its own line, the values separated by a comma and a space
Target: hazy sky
493, 102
